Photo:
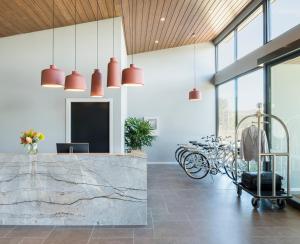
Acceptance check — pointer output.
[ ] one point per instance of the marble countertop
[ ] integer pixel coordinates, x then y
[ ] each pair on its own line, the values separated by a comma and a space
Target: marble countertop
73, 189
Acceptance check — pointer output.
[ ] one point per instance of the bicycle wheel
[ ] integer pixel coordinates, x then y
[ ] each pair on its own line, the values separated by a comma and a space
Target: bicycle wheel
228, 163
178, 150
182, 155
196, 165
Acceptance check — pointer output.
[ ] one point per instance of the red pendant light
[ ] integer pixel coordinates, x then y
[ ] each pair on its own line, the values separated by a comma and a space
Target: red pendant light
132, 76
113, 69
75, 81
53, 77
195, 94
96, 84
113, 74
96, 87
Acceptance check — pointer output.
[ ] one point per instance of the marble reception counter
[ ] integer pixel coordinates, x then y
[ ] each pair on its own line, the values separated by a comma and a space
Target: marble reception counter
73, 189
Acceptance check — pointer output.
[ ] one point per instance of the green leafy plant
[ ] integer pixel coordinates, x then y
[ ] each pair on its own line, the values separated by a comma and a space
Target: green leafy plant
138, 133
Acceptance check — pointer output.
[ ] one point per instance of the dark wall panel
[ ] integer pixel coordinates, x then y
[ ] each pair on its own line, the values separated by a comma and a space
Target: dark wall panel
90, 123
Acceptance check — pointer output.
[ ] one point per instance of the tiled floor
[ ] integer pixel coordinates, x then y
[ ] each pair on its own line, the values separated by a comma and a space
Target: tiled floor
181, 211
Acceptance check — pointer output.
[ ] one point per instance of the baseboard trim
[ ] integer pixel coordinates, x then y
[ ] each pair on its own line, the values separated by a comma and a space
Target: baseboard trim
162, 163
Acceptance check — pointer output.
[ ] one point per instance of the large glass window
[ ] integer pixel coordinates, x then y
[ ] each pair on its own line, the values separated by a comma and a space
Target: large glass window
284, 15
226, 51
250, 33
226, 109
250, 93
285, 86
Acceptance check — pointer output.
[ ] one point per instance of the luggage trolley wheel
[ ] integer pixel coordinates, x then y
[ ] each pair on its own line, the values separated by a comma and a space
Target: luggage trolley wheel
255, 202
281, 203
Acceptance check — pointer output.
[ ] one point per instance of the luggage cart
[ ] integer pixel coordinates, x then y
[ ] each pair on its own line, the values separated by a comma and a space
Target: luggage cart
279, 196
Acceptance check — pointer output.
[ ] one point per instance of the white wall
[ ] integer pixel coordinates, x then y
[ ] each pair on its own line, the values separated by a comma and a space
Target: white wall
168, 79
25, 104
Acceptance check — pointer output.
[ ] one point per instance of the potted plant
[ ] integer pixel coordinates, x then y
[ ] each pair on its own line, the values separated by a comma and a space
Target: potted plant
138, 134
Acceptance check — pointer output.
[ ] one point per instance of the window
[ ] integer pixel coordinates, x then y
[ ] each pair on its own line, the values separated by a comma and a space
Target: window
285, 100
226, 109
226, 51
284, 15
250, 93
250, 33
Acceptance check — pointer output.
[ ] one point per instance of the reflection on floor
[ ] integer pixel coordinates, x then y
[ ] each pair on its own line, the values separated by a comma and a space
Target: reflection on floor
181, 211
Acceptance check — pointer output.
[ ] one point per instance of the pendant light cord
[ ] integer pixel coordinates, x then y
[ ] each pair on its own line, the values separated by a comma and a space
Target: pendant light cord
113, 28
53, 32
97, 33
75, 36
131, 32
195, 75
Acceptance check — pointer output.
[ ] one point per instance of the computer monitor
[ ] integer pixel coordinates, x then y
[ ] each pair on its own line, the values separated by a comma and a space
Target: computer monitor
73, 147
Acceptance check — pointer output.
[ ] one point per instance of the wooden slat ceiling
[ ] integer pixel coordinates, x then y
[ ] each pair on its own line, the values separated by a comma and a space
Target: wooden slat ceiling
144, 30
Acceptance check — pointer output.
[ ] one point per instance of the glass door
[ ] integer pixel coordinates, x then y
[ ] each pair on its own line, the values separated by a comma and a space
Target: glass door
285, 103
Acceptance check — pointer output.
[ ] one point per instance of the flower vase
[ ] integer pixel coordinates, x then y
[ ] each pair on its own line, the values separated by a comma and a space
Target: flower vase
32, 149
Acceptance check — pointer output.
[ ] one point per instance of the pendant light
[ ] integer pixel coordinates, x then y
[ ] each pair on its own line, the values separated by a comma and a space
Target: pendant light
113, 70
132, 76
75, 81
53, 77
195, 94
96, 84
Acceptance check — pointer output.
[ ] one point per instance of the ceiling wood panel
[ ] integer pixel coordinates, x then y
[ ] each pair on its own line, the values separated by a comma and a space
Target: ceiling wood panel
205, 18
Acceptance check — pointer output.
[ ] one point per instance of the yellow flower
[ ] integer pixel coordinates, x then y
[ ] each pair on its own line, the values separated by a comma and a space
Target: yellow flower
41, 136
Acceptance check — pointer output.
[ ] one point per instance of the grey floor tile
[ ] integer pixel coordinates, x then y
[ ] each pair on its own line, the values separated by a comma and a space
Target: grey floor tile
31, 231
29, 240
72, 235
110, 233
10, 240
112, 241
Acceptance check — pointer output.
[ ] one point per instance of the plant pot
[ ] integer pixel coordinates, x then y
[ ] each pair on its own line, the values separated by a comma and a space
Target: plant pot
137, 152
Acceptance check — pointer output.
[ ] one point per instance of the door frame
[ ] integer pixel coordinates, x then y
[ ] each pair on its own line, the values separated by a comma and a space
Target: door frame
69, 101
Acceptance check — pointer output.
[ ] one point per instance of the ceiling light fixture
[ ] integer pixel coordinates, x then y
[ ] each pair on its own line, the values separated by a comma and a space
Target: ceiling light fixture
162, 19
75, 81
53, 77
195, 94
132, 76
156, 41
96, 84
113, 69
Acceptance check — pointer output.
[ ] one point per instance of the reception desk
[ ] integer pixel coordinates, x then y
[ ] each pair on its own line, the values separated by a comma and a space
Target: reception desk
73, 189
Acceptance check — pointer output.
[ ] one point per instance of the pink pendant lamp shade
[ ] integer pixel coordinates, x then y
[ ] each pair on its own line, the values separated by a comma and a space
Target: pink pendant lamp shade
97, 88
113, 74
113, 69
53, 77
75, 82
194, 95
133, 76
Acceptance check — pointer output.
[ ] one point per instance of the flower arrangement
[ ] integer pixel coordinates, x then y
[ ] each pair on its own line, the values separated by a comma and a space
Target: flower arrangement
30, 138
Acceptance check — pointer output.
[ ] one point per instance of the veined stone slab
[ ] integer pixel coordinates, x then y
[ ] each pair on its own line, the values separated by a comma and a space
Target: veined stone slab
73, 189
